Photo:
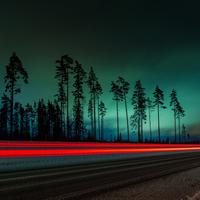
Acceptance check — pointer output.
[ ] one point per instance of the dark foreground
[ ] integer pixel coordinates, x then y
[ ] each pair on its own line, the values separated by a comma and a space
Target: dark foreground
86, 180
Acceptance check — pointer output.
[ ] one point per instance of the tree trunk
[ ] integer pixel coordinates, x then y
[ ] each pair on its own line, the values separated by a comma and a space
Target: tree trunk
102, 131
61, 118
159, 140
127, 122
64, 127
179, 129
174, 125
94, 107
11, 108
98, 118
92, 121
150, 132
141, 130
117, 120
139, 140
68, 134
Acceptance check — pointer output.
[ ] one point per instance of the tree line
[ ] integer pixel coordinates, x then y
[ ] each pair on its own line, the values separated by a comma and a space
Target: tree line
51, 120
143, 106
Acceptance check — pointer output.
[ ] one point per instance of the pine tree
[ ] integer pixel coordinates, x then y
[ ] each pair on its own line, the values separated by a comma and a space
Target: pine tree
124, 86
180, 113
42, 120
159, 104
90, 115
62, 100
57, 121
28, 121
16, 119
139, 107
150, 108
79, 77
173, 104
64, 69
91, 82
99, 92
4, 116
22, 122
102, 113
14, 72
34, 121
117, 96
50, 119
62, 76
184, 135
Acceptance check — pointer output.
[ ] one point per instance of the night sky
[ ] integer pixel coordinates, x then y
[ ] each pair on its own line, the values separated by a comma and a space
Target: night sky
157, 42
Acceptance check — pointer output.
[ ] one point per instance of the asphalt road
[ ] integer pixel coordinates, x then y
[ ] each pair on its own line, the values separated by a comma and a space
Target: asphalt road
75, 182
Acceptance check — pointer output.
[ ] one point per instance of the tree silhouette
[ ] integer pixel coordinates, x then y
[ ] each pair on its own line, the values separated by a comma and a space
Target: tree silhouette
90, 115
57, 121
14, 72
173, 104
22, 122
16, 119
46, 120
62, 100
184, 135
91, 82
4, 116
29, 117
42, 119
63, 71
34, 121
124, 86
159, 103
180, 114
79, 77
52, 118
150, 108
117, 96
99, 92
139, 109
102, 113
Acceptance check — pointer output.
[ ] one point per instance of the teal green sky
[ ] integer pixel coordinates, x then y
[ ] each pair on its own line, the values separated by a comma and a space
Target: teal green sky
156, 42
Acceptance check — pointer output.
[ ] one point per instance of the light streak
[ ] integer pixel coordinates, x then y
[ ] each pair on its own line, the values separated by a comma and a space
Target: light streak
30, 149
78, 152
90, 144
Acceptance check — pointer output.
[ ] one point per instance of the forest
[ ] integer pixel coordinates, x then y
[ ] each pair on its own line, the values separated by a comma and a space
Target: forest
51, 120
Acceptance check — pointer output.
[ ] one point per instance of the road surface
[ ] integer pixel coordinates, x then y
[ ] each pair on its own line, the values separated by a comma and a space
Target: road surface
85, 180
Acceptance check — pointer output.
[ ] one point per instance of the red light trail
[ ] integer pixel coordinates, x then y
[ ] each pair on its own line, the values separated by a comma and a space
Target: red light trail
88, 144
30, 149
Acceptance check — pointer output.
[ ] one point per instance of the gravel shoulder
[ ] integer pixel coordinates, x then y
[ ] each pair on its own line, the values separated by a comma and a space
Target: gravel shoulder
181, 186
